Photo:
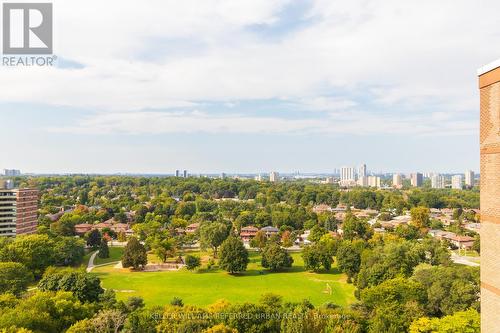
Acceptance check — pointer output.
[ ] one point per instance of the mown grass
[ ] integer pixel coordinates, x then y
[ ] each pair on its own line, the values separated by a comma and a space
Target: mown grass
115, 254
207, 286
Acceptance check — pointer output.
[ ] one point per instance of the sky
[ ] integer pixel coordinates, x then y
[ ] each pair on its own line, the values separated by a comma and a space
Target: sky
153, 86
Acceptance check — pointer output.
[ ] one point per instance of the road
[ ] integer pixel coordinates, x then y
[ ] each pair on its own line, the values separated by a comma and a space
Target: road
463, 260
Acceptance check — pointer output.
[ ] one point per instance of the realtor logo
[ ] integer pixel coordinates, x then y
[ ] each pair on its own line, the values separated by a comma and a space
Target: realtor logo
27, 28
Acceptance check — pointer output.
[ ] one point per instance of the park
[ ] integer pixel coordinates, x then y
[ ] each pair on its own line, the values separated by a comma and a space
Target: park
206, 286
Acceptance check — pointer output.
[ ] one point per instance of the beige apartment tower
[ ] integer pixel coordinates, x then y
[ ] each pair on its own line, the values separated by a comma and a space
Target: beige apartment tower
489, 85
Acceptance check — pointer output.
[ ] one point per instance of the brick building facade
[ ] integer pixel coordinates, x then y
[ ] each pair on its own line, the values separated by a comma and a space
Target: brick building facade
18, 211
489, 84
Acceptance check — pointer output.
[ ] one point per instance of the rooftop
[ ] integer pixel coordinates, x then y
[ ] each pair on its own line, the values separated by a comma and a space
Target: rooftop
489, 67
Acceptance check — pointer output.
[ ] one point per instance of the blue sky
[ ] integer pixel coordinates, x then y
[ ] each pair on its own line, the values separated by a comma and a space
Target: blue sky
252, 86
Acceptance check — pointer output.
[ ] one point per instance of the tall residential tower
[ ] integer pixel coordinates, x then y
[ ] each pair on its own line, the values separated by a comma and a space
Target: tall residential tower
489, 139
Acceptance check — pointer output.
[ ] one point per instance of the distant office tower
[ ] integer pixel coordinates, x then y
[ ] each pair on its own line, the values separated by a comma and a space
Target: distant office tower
177, 173
373, 181
362, 171
417, 179
274, 176
11, 172
437, 181
18, 211
456, 182
489, 139
184, 173
222, 175
469, 178
397, 180
362, 181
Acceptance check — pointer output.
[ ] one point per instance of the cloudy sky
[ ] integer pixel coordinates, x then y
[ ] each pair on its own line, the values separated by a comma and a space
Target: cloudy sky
252, 86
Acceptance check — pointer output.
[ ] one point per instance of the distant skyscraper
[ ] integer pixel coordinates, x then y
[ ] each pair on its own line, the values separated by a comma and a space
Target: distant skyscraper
177, 173
456, 182
417, 179
185, 173
362, 171
222, 175
274, 176
258, 177
397, 180
469, 178
437, 181
11, 172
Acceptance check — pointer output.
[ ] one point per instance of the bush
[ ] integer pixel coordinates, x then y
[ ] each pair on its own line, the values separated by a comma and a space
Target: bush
192, 262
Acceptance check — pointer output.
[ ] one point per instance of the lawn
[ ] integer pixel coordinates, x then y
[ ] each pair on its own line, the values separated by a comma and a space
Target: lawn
115, 254
203, 288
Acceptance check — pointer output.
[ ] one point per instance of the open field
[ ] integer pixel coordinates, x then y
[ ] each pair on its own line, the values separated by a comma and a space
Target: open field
158, 288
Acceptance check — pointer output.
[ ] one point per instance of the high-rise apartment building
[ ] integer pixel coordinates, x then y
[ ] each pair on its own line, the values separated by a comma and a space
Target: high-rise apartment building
347, 176
437, 181
274, 176
417, 179
469, 178
373, 181
18, 211
362, 181
185, 174
11, 172
397, 180
177, 173
347, 173
456, 182
362, 171
489, 138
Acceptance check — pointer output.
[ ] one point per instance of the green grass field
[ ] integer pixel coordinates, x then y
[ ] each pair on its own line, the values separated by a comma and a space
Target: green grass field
115, 254
204, 288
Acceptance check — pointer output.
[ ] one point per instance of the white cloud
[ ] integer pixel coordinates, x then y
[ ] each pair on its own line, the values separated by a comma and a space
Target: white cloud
412, 54
353, 122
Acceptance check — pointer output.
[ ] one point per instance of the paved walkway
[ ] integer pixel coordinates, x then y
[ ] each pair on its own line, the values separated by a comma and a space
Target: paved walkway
91, 265
463, 260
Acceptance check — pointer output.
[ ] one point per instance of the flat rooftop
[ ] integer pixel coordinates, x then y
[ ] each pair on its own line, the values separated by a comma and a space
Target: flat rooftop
489, 67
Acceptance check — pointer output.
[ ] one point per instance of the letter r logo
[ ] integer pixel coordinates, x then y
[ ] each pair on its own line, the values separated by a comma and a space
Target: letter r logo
27, 28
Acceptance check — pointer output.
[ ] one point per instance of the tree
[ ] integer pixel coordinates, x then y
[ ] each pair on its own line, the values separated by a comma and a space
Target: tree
233, 255
164, 248
192, 262
103, 249
94, 239
260, 240
476, 246
348, 259
286, 239
220, 328
315, 256
420, 217
213, 234
134, 254
276, 258
85, 286
356, 228
316, 233
36, 252
68, 251
464, 321
14, 278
